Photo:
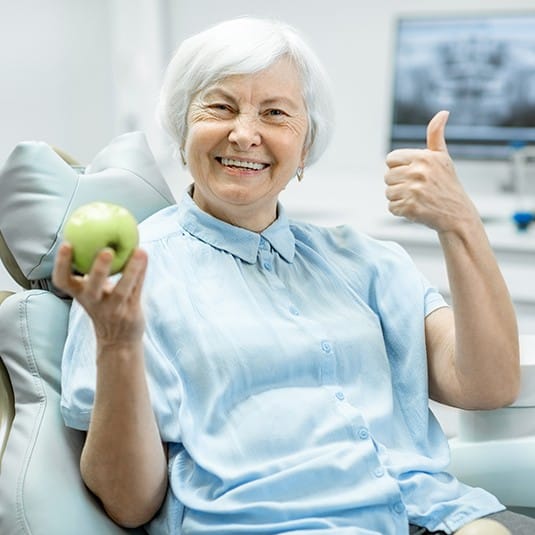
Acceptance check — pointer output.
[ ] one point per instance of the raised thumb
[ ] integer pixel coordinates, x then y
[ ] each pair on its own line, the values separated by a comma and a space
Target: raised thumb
435, 132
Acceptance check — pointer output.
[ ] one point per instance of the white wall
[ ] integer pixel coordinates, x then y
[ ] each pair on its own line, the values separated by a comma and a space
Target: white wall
56, 74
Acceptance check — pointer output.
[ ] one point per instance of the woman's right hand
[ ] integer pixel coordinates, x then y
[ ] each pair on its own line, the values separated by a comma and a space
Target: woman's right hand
114, 307
123, 461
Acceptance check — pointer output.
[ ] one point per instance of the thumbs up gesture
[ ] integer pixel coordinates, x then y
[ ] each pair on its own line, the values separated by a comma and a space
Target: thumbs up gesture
422, 185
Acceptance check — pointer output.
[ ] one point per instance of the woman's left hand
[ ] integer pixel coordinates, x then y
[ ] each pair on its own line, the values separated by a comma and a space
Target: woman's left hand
422, 184
473, 356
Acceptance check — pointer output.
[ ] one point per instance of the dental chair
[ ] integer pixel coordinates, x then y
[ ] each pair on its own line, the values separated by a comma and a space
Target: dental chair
41, 491
495, 449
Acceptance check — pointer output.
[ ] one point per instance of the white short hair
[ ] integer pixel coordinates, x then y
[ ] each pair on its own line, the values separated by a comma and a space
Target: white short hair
244, 46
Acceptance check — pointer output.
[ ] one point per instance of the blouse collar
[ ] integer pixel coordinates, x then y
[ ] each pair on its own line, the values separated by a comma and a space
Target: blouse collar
237, 241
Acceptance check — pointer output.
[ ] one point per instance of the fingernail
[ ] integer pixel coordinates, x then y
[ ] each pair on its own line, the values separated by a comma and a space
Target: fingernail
137, 256
108, 252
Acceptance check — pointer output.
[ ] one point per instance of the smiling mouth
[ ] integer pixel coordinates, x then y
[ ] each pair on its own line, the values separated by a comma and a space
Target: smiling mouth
242, 164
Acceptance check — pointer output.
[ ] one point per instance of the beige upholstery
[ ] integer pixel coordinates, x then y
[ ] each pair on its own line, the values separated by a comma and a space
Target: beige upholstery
483, 526
7, 402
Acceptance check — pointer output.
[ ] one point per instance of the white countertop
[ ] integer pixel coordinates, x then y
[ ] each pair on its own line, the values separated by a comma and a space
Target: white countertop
347, 200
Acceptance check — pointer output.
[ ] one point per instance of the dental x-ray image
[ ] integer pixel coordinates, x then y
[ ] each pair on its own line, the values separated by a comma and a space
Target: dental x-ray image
482, 69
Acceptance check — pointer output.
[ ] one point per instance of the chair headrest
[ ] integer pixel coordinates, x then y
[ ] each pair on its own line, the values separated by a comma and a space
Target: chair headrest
39, 190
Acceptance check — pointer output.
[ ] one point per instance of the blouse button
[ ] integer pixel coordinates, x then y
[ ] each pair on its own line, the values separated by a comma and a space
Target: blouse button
326, 346
379, 472
398, 507
268, 266
340, 395
363, 433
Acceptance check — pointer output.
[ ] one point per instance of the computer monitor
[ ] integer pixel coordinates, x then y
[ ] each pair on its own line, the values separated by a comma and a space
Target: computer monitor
480, 67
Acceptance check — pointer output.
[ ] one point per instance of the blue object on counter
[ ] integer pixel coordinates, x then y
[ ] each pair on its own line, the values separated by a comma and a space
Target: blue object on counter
517, 144
523, 219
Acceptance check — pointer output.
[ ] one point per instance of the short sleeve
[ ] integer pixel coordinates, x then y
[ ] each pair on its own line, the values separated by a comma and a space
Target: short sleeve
78, 376
433, 299
401, 284
78, 370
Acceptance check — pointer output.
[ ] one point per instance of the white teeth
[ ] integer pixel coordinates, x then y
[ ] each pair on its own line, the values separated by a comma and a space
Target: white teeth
246, 165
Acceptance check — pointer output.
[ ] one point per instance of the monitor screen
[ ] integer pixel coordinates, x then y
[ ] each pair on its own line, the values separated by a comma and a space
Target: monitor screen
480, 67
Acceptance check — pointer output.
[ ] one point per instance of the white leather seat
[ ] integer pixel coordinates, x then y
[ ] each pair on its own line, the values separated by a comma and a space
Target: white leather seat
496, 449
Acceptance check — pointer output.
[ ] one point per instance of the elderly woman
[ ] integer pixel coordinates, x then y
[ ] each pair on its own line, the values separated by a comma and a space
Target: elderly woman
251, 374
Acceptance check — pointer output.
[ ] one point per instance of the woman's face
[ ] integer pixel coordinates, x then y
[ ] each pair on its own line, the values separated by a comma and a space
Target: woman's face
246, 137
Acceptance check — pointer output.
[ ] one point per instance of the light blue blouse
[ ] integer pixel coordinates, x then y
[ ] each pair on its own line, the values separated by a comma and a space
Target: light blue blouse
287, 371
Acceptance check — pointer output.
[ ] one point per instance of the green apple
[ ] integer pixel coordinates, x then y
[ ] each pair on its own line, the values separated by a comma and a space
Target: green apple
98, 225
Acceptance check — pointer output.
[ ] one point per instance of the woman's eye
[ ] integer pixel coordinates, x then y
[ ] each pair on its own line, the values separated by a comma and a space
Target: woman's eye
221, 108
275, 113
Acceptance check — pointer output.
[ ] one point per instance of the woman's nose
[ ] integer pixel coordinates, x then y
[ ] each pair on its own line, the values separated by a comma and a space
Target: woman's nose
245, 132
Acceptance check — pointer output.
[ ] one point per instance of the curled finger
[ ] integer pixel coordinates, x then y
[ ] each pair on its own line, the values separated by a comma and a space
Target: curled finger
62, 275
396, 175
402, 208
96, 281
395, 193
131, 282
400, 157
